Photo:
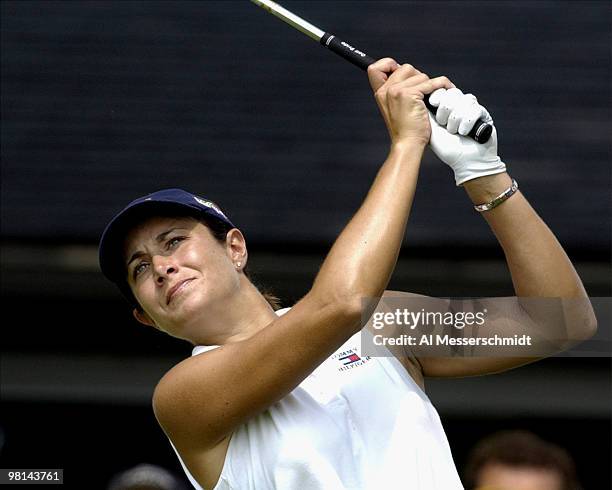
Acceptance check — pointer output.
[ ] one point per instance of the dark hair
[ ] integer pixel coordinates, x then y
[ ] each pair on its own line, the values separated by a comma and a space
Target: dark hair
219, 231
520, 448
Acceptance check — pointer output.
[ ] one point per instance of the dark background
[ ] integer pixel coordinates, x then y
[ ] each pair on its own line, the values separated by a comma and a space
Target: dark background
105, 101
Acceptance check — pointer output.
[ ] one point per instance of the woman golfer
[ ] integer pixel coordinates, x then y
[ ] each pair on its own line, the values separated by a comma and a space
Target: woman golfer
266, 401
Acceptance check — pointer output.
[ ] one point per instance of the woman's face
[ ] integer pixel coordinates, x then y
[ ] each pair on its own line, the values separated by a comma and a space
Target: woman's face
179, 273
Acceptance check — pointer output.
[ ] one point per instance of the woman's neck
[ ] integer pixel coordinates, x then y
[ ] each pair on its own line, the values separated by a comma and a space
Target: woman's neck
241, 317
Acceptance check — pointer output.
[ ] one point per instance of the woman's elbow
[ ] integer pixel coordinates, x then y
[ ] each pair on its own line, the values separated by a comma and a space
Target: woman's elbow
346, 310
352, 310
350, 303
582, 321
589, 327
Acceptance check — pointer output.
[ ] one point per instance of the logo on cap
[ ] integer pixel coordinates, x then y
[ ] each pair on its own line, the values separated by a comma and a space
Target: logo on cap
210, 204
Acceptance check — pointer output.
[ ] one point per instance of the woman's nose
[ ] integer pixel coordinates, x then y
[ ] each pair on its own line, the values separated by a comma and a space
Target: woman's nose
163, 267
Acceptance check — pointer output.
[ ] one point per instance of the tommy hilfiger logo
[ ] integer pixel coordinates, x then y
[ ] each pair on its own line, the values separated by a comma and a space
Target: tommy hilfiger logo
350, 359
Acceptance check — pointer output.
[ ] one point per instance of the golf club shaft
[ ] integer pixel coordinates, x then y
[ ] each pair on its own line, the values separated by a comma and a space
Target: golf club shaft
481, 132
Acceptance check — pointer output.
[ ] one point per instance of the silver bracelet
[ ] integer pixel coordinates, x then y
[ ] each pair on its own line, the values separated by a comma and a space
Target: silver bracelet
499, 199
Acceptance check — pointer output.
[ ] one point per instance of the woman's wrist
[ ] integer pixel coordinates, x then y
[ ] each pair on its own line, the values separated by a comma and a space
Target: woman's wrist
485, 189
408, 145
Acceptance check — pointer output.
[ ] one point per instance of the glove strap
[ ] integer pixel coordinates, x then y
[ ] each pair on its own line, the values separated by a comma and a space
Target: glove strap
499, 199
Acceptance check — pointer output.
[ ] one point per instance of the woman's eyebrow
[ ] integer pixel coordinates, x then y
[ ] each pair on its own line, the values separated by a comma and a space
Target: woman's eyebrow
159, 238
162, 236
134, 256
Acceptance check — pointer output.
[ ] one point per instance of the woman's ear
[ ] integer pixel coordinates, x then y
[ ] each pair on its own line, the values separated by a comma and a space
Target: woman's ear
237, 247
143, 318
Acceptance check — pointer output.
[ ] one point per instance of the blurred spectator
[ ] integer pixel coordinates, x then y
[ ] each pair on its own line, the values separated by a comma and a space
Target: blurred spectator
519, 460
146, 477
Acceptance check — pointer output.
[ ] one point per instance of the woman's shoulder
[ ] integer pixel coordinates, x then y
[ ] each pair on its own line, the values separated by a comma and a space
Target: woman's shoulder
210, 392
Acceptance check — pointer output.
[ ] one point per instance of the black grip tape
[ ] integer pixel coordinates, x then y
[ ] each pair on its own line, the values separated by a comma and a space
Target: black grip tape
348, 52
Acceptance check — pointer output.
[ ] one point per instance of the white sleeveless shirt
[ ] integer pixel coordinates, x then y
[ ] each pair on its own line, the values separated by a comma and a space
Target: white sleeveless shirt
355, 423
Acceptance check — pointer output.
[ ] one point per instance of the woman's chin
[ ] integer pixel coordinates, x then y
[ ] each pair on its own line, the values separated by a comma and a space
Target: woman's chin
187, 322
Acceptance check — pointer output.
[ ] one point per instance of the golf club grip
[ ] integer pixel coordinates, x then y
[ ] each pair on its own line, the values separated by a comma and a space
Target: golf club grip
481, 132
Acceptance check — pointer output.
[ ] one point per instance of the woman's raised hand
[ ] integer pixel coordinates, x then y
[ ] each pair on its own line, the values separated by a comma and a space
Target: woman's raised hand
399, 92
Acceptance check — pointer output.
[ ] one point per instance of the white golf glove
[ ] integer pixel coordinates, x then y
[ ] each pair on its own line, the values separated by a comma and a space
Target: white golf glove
456, 115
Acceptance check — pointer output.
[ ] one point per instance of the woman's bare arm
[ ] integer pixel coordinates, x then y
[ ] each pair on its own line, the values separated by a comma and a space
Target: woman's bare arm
539, 268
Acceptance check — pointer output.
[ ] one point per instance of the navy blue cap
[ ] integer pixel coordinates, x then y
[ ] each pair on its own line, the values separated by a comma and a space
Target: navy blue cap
163, 202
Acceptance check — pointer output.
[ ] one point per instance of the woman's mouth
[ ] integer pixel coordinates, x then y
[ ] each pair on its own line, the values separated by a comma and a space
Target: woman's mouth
177, 289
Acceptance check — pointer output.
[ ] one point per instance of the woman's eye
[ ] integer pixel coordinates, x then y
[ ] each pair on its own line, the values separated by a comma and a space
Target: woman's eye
140, 268
173, 242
